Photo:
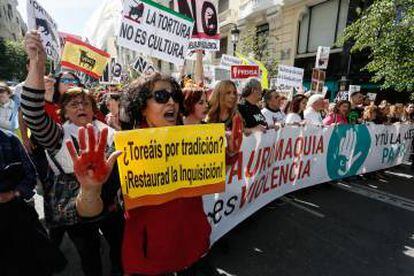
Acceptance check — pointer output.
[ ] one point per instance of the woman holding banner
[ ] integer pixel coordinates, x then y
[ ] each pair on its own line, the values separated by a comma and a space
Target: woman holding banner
296, 108
158, 239
64, 198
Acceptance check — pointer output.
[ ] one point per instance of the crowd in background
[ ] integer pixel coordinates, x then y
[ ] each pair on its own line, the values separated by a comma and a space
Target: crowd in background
47, 111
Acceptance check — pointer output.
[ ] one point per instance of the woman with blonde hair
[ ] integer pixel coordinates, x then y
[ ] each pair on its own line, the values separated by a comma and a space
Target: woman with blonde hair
223, 104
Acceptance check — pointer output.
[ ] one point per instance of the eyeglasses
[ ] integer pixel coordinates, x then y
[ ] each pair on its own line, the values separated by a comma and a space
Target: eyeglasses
76, 104
163, 96
69, 81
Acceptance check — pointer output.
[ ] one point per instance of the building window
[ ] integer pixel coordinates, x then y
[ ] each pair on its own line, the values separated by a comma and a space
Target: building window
223, 5
223, 47
171, 67
171, 4
10, 11
262, 33
322, 25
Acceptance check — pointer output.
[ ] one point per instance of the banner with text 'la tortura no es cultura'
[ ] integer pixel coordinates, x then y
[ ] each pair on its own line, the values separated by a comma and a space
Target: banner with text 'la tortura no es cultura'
155, 30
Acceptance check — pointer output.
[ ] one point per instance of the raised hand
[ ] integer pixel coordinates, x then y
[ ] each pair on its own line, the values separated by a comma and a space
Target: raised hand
346, 152
33, 46
91, 166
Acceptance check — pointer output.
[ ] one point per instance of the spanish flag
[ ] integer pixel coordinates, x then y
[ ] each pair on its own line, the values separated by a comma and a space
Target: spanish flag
80, 56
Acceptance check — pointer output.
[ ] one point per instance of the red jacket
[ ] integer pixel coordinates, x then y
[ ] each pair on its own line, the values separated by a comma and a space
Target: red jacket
165, 238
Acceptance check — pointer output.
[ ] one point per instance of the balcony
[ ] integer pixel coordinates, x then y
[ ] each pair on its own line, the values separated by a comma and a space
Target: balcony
253, 7
226, 17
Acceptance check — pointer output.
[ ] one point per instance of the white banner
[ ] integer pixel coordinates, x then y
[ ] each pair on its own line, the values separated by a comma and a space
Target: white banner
205, 34
154, 30
322, 57
39, 19
290, 76
275, 163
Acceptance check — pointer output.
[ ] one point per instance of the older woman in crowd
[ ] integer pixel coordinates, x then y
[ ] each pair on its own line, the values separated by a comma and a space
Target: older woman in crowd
273, 110
249, 109
64, 198
315, 106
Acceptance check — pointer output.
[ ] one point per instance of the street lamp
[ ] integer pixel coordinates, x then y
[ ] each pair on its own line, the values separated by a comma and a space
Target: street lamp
235, 33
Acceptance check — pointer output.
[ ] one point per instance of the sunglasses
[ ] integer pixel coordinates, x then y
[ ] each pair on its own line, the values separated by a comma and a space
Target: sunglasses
69, 81
163, 96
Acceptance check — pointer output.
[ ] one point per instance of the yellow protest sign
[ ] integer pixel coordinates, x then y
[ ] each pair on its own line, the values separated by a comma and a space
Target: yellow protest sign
162, 164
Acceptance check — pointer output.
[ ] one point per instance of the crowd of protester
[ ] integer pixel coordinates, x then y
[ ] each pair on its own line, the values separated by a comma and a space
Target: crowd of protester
68, 124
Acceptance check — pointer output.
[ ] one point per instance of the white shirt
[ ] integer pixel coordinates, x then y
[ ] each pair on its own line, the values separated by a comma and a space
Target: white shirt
293, 118
273, 117
312, 116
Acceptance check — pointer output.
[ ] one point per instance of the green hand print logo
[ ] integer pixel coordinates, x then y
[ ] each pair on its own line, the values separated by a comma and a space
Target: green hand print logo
347, 150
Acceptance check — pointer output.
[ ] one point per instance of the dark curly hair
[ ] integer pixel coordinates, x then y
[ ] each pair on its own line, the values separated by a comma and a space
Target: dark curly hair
135, 96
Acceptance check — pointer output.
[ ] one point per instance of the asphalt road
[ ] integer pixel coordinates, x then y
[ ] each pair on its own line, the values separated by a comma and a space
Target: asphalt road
355, 227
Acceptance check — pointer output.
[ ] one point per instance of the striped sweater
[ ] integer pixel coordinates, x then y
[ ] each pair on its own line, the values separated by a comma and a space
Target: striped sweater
48, 133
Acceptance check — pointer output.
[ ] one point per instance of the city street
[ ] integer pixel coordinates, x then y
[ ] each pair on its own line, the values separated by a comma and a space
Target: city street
361, 227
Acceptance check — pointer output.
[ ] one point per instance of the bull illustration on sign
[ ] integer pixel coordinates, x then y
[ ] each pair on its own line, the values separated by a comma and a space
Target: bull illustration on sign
136, 12
43, 26
86, 61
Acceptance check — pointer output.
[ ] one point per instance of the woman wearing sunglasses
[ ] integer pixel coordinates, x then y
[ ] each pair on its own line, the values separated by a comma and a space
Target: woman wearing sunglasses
77, 110
159, 239
55, 87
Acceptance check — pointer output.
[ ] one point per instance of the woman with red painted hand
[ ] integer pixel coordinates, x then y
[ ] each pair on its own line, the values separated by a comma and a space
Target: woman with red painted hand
166, 238
66, 200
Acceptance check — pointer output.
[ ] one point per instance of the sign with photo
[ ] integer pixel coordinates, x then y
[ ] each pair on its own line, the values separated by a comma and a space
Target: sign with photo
322, 57
39, 19
205, 34
154, 30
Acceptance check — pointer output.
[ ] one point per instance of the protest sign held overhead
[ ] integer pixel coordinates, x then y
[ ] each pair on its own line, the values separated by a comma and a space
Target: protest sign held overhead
244, 71
205, 35
78, 55
116, 70
143, 66
162, 164
154, 30
289, 76
322, 57
318, 80
39, 19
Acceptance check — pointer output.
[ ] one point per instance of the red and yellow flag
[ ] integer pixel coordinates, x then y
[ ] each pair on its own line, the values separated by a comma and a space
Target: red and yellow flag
80, 56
